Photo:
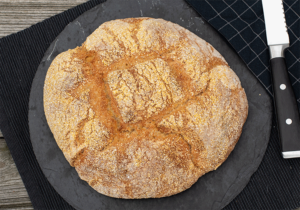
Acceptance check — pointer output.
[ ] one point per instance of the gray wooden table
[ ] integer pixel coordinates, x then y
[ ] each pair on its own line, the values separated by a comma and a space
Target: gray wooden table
16, 15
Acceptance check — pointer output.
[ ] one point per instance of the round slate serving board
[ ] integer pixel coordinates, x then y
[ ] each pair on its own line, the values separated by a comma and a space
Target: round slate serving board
212, 191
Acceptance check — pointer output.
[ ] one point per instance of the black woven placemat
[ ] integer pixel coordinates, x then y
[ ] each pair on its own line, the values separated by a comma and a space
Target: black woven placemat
20, 55
276, 184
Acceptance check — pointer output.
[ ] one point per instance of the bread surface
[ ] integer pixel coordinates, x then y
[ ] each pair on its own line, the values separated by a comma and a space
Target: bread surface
143, 108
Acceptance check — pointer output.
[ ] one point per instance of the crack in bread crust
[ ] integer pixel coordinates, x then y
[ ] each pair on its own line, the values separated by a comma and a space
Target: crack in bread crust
143, 108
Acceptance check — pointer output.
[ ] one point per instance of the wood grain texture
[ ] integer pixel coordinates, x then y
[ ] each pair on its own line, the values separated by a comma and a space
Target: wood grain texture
12, 190
16, 15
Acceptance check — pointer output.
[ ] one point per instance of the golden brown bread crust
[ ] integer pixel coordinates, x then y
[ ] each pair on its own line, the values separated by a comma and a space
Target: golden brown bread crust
143, 108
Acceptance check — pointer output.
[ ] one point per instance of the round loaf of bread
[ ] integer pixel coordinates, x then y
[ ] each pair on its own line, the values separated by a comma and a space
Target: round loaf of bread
143, 108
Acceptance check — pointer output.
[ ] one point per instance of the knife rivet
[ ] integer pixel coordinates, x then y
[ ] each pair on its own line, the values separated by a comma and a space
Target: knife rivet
288, 121
282, 86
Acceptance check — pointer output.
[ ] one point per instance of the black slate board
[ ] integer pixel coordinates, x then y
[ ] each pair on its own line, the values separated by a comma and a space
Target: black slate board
212, 191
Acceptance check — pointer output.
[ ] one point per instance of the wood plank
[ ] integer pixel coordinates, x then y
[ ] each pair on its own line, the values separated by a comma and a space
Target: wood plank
17, 208
17, 15
67, 2
12, 190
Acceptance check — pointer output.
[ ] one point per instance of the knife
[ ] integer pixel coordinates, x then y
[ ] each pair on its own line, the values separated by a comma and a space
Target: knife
287, 113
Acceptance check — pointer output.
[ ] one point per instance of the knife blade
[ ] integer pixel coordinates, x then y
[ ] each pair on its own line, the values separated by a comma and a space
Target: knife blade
287, 113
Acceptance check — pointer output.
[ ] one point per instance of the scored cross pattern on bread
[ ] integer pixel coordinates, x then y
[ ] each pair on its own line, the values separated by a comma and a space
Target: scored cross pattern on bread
143, 108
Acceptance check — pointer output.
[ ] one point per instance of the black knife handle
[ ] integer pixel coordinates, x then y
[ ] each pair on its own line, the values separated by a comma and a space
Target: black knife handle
286, 106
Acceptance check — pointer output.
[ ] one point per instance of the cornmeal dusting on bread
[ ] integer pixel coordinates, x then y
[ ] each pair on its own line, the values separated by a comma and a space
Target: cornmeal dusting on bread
144, 90
143, 108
